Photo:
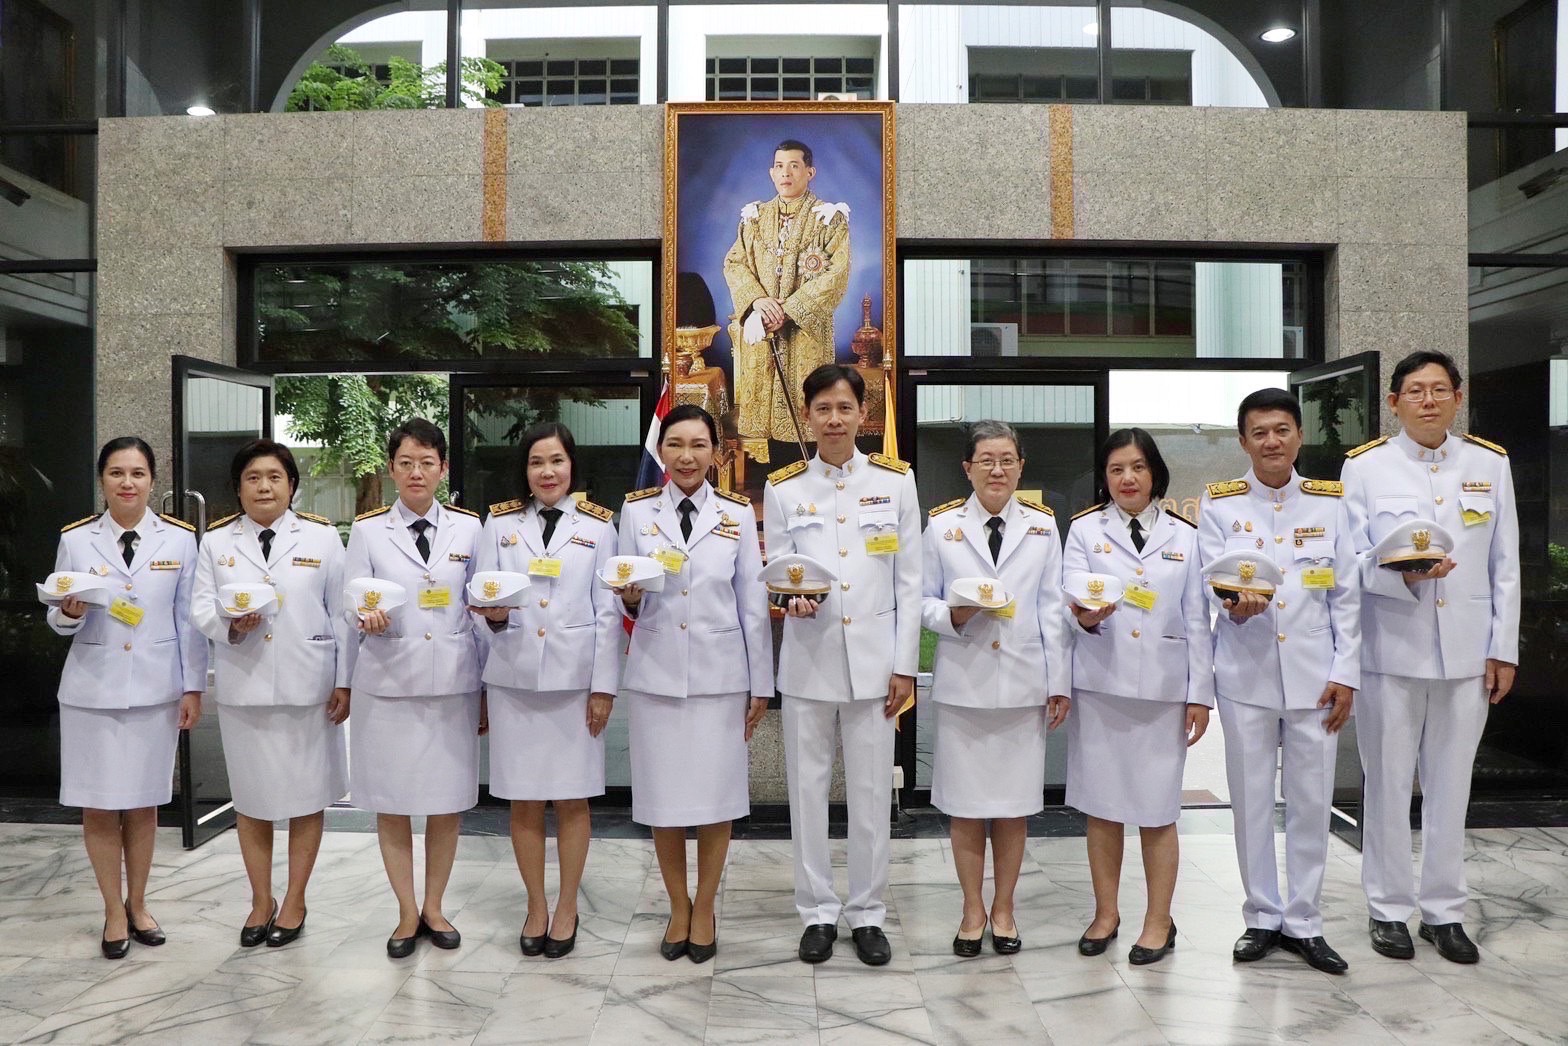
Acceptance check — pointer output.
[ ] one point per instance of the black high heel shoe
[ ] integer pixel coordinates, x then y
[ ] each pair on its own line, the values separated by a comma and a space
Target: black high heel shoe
150, 938
251, 936
114, 949
673, 950
1141, 956
555, 948
701, 953
965, 948
278, 936
1096, 945
534, 945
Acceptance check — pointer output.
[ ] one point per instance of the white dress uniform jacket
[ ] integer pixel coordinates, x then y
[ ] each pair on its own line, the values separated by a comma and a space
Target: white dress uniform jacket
995, 662
298, 655
426, 650
864, 521
113, 664
567, 634
1309, 636
1160, 654
1444, 629
708, 631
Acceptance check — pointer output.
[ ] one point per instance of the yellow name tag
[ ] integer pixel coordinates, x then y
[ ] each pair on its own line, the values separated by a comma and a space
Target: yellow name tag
1006, 613
434, 598
670, 559
544, 566
1473, 518
882, 544
1320, 578
125, 611
1140, 597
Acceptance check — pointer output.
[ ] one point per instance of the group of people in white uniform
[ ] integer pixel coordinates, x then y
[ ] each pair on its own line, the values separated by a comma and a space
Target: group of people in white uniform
1133, 679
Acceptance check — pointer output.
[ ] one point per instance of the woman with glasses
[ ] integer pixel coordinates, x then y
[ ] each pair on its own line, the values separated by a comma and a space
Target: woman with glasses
414, 746
1001, 677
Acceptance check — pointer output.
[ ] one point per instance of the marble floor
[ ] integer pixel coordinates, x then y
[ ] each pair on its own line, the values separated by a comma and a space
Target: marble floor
336, 985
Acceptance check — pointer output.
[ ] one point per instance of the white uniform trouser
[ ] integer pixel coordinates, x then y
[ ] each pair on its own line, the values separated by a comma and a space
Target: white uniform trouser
1252, 736
868, 782
1403, 724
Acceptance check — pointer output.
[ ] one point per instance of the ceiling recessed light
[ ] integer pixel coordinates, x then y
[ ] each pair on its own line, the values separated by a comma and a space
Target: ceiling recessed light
200, 110
1091, 29
1279, 34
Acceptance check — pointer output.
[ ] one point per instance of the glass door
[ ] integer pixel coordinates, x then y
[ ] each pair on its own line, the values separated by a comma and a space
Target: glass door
216, 410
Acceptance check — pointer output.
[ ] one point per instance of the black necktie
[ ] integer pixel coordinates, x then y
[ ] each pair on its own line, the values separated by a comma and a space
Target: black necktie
127, 540
687, 510
994, 525
422, 542
1137, 533
266, 537
552, 516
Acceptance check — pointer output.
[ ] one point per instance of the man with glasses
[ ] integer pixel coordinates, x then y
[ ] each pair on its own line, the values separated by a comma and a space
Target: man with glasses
1438, 647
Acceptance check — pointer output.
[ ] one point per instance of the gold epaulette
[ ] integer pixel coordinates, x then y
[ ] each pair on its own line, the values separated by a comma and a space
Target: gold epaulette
1488, 444
225, 521
891, 464
1030, 503
644, 493
460, 510
1177, 515
778, 476
323, 520
947, 506
1229, 488
81, 522
730, 495
177, 521
1366, 446
1328, 487
373, 513
1091, 508
596, 511
506, 508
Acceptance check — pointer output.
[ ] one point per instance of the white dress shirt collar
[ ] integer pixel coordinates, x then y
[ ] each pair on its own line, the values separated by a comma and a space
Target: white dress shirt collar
1146, 519
1419, 453
1276, 496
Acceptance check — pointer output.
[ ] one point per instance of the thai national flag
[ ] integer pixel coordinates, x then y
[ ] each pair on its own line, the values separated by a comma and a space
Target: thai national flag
650, 471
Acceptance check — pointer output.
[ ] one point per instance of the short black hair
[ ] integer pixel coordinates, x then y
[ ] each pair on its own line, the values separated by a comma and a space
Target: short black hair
829, 375
120, 443
1421, 358
538, 434
1133, 437
689, 412
981, 431
421, 431
792, 145
1265, 400
263, 448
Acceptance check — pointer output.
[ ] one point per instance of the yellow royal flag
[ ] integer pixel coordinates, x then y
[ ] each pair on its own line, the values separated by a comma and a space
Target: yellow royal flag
890, 423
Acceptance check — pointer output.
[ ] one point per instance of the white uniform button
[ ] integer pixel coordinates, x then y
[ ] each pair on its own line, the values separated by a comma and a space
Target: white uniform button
843, 552
427, 635
544, 602
1136, 633
1138, 571
683, 624
427, 577
1280, 637
843, 586
1278, 507
1434, 468
1438, 499
541, 631
268, 637
127, 586
839, 484
1442, 602
1282, 604
841, 518
846, 620
685, 591
127, 646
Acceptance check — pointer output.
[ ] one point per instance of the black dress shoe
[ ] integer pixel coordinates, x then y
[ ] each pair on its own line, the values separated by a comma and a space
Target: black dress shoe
1004, 945
150, 938
965, 948
701, 953
278, 936
1391, 939
444, 939
1452, 944
114, 949
871, 945
816, 944
555, 948
402, 947
672, 950
1254, 945
1316, 951
1096, 945
1138, 955
251, 936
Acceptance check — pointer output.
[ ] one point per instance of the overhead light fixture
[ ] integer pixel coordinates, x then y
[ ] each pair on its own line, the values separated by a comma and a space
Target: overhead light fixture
1091, 29
1279, 34
200, 110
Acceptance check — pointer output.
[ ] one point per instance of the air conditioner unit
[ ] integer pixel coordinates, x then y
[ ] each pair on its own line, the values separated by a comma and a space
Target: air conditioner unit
842, 96
1295, 343
993, 339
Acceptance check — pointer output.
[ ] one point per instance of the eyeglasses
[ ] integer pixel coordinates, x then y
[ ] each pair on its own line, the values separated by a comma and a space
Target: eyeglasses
991, 464
1440, 393
406, 466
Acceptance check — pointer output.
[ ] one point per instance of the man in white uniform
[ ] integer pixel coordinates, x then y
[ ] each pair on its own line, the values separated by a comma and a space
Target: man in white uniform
1437, 649
1285, 672
850, 659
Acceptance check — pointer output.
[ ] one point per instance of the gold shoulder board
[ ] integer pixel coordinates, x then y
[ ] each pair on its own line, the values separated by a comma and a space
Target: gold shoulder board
225, 521
780, 475
646, 492
1328, 487
1488, 444
596, 511
460, 510
373, 512
1366, 446
1091, 508
506, 508
891, 464
1229, 488
1178, 516
177, 521
1030, 503
947, 506
730, 495
323, 520
80, 523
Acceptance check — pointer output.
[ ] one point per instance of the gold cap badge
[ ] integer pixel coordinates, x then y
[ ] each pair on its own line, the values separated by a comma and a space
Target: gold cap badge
1421, 540
492, 589
63, 584
797, 574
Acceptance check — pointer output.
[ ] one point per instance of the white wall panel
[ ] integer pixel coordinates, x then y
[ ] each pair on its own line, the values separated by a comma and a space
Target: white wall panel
936, 308
1018, 404
1239, 310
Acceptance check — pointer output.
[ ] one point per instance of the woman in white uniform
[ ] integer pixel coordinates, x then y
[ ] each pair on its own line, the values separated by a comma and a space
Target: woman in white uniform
551, 674
1001, 679
132, 681
699, 672
1143, 684
282, 677
414, 745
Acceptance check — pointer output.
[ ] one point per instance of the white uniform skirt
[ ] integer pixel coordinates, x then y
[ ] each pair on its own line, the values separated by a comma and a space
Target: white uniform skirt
540, 747
988, 762
414, 755
1125, 758
283, 760
689, 758
118, 758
